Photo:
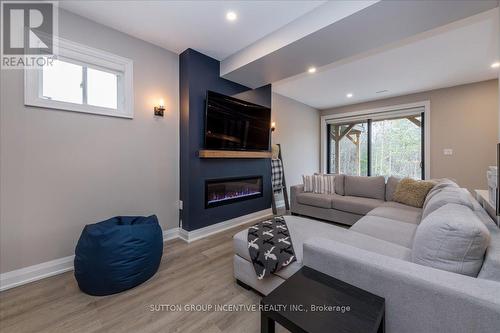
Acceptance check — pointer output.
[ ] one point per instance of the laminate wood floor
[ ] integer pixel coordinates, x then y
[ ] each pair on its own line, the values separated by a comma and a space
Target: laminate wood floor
196, 273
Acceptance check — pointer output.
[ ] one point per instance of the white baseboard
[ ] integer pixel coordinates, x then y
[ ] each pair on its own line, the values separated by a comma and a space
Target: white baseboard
50, 268
170, 234
36, 272
190, 236
47, 269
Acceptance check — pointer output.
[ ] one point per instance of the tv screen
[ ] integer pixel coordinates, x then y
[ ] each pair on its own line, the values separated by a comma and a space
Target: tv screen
234, 124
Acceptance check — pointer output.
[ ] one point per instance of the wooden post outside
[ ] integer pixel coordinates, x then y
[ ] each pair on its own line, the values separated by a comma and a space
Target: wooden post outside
336, 131
358, 152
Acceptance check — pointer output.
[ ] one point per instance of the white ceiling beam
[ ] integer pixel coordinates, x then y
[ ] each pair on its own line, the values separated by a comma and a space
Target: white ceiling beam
318, 18
375, 25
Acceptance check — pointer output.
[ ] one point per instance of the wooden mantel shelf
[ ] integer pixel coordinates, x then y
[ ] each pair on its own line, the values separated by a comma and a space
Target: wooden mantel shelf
204, 153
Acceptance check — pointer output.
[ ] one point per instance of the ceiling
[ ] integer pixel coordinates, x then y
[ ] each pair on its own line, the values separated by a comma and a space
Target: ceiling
365, 29
200, 25
454, 54
295, 32
359, 47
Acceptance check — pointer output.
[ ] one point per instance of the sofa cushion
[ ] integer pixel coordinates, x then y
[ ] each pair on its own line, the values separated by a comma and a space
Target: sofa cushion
339, 184
441, 184
315, 199
396, 211
356, 205
390, 187
389, 230
445, 196
491, 264
366, 187
301, 229
453, 239
412, 192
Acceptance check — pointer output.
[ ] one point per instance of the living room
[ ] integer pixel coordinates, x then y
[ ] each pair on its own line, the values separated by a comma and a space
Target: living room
156, 155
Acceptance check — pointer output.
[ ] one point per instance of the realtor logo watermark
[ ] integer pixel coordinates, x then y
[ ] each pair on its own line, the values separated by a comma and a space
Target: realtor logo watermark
29, 31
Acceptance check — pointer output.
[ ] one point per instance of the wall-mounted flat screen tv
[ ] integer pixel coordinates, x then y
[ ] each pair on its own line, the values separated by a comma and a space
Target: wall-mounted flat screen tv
234, 124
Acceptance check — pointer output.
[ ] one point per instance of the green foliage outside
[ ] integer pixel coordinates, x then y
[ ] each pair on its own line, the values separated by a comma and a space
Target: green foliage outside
396, 150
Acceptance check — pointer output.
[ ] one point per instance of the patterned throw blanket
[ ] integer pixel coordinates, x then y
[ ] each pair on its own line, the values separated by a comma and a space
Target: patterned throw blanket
277, 175
270, 246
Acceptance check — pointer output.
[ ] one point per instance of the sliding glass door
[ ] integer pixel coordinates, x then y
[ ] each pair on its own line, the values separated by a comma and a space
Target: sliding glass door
396, 147
349, 149
379, 146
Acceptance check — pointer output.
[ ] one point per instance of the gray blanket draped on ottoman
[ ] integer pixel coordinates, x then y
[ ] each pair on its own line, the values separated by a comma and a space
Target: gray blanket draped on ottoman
270, 246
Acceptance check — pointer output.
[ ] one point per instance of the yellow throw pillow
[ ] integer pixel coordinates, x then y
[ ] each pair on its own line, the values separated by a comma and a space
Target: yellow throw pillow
412, 192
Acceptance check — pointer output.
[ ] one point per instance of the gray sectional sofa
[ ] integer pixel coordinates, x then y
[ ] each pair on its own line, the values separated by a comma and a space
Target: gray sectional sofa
354, 197
438, 267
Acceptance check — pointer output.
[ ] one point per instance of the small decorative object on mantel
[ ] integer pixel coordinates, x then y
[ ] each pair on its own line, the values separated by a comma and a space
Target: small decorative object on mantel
160, 109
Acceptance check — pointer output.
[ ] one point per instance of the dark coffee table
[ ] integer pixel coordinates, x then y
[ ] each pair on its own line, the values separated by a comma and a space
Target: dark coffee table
310, 301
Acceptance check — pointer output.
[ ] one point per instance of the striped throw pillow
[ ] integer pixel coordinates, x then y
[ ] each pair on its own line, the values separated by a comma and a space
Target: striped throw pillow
308, 183
330, 183
319, 183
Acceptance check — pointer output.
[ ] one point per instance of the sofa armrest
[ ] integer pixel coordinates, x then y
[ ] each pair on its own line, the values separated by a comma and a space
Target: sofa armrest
418, 298
294, 190
297, 189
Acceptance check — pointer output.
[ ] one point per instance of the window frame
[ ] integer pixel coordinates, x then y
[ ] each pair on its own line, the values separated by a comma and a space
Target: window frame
330, 150
87, 57
376, 114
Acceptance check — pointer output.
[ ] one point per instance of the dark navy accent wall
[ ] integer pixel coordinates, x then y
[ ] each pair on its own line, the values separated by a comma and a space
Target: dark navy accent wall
199, 73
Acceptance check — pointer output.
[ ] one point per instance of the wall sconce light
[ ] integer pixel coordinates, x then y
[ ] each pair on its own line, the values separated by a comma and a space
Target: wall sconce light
159, 109
273, 126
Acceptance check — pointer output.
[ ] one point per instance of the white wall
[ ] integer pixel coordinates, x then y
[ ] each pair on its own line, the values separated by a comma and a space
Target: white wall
297, 130
60, 170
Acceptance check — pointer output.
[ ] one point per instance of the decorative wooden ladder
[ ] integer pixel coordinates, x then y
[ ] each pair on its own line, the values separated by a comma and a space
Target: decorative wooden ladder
281, 188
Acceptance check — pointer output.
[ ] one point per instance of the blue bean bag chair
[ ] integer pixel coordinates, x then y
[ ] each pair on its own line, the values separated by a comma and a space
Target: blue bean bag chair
118, 254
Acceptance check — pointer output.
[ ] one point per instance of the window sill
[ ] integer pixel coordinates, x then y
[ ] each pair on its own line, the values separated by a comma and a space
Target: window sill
80, 108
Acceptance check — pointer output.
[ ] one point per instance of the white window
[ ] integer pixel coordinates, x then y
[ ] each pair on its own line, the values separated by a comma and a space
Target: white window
82, 79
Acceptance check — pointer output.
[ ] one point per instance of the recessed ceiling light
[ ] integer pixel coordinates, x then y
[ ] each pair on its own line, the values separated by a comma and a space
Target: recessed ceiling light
231, 16
349, 95
311, 70
495, 65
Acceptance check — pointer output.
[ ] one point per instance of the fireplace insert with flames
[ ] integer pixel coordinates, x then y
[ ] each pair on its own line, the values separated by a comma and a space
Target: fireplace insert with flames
224, 191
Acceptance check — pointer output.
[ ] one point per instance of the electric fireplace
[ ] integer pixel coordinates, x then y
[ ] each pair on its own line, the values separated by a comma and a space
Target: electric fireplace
224, 191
